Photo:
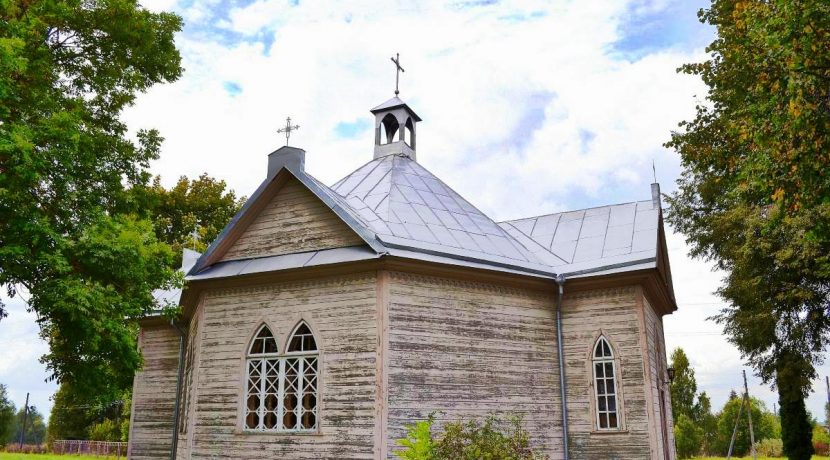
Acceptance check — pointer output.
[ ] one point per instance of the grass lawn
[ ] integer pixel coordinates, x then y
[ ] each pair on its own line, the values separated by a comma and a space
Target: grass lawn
8, 456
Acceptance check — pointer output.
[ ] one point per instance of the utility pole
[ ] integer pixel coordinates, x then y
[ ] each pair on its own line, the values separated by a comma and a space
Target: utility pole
749, 414
735, 430
827, 409
25, 415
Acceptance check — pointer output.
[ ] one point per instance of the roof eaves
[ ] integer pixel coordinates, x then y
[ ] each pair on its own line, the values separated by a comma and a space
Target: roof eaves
528, 267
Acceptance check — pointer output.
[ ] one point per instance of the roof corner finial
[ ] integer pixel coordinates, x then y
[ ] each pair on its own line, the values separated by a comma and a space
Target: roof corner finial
288, 129
398, 70
654, 170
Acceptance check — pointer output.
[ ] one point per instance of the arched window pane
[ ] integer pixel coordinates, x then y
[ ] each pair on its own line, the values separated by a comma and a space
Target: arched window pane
302, 340
605, 386
264, 342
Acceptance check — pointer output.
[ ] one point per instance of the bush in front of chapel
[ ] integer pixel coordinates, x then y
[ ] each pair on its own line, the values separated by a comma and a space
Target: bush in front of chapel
493, 438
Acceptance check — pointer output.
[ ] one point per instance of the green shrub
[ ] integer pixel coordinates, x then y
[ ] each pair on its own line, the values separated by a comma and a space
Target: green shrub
107, 430
770, 447
492, 439
688, 437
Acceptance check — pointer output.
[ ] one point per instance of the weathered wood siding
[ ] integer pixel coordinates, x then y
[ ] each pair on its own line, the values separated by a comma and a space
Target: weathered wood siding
154, 389
342, 312
471, 349
189, 384
613, 313
294, 221
657, 365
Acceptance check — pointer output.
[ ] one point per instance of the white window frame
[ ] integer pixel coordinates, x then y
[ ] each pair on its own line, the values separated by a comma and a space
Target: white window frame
604, 361
305, 360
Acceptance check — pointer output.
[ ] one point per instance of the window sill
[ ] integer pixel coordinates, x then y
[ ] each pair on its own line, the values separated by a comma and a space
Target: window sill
609, 432
278, 433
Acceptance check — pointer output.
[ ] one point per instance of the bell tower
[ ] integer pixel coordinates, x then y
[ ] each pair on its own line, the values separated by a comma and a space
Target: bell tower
395, 129
395, 123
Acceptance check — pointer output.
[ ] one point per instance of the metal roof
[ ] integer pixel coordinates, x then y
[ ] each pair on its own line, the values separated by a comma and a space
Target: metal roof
591, 239
407, 207
401, 209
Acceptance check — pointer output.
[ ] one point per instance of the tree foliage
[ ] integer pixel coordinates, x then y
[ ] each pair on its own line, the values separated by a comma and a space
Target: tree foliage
708, 422
67, 70
205, 205
761, 424
35, 429
754, 195
491, 439
684, 386
7, 411
688, 437
797, 431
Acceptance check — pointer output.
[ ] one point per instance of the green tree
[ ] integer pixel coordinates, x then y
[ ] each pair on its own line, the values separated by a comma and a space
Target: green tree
80, 415
67, 70
796, 426
754, 195
708, 422
204, 204
726, 423
35, 428
684, 386
688, 437
71, 416
7, 411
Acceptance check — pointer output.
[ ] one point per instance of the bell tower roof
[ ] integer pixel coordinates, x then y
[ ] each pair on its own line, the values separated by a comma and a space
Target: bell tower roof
394, 103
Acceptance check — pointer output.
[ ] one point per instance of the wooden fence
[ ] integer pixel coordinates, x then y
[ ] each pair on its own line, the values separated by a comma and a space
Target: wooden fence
96, 448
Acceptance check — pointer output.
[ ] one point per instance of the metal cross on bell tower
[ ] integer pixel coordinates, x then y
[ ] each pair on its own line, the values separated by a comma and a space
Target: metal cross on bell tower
288, 129
398, 70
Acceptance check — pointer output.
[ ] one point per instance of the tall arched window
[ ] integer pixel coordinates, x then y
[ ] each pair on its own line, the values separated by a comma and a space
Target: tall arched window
281, 389
605, 386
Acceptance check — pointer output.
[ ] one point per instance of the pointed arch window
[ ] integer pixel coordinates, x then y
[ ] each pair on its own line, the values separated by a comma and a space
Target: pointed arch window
281, 388
605, 386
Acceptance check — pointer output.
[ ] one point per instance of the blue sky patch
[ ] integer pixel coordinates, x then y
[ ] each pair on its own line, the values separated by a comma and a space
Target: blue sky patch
533, 116
676, 25
232, 88
350, 130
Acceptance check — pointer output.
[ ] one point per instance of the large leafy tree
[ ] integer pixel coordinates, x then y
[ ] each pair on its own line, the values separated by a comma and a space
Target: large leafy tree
67, 70
204, 205
755, 194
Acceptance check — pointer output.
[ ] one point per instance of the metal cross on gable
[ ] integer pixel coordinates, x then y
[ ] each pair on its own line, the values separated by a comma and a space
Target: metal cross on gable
398, 70
288, 129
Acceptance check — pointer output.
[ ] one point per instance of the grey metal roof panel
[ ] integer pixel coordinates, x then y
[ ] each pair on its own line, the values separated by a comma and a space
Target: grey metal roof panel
284, 262
580, 240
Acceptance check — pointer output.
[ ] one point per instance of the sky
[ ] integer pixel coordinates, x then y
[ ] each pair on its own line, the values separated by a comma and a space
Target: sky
529, 108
